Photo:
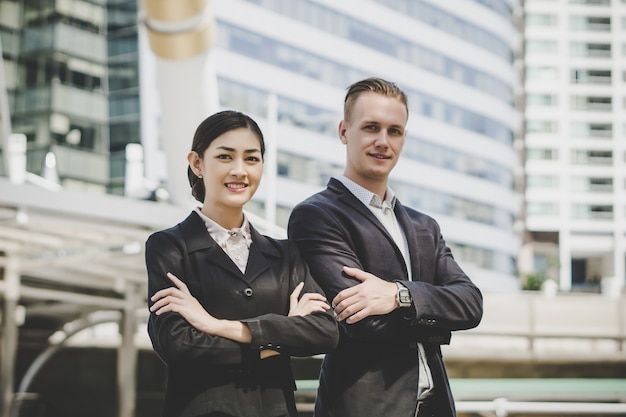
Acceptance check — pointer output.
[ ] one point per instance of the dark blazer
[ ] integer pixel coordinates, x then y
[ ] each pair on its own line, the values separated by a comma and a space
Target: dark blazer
213, 374
374, 371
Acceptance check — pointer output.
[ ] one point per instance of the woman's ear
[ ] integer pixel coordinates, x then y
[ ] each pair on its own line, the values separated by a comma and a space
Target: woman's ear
195, 163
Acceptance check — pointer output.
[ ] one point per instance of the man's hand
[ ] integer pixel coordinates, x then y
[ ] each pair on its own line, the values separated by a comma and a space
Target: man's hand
310, 302
372, 297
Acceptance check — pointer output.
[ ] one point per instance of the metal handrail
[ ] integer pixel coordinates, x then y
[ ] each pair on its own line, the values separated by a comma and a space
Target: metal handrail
501, 407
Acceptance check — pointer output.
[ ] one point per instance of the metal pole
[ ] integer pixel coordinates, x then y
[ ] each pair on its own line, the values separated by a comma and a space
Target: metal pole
127, 355
5, 117
271, 153
9, 333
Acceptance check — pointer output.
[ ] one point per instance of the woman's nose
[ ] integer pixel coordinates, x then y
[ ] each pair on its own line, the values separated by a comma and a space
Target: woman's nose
238, 168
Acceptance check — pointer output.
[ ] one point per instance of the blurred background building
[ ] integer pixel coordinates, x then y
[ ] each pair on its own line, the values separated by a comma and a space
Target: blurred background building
72, 74
575, 130
72, 78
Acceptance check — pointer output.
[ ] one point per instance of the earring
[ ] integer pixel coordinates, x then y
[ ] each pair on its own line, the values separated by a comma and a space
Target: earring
200, 176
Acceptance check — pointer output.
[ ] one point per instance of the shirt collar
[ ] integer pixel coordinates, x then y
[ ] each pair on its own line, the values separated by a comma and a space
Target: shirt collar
367, 197
220, 234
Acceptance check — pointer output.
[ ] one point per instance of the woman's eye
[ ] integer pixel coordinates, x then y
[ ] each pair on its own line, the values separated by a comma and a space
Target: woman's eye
223, 156
252, 159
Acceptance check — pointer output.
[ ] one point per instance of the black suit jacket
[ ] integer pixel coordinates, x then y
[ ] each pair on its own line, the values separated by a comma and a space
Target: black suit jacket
208, 373
374, 371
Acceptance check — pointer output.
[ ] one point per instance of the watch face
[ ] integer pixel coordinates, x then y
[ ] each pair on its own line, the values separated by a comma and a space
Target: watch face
405, 297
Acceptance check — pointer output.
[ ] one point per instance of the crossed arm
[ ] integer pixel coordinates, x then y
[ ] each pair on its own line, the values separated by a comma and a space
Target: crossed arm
179, 300
371, 297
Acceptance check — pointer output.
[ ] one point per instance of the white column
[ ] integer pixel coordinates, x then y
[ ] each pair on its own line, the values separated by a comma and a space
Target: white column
271, 152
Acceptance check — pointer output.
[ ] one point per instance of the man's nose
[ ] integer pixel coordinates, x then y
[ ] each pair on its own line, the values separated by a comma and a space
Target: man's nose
382, 139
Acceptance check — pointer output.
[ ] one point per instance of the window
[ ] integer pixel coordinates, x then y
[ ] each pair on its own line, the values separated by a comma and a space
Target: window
541, 154
541, 126
591, 103
591, 130
592, 185
592, 2
542, 181
541, 100
541, 73
589, 76
592, 157
590, 23
542, 209
541, 46
535, 19
592, 212
591, 50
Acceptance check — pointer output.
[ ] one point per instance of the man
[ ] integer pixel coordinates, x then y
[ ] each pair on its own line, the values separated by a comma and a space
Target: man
395, 287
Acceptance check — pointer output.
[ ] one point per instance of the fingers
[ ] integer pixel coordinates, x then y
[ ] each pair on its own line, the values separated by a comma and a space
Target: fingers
164, 304
356, 273
307, 304
344, 294
296, 292
293, 298
179, 284
165, 292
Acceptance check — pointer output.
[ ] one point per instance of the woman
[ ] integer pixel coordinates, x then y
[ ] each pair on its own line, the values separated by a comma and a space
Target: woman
226, 312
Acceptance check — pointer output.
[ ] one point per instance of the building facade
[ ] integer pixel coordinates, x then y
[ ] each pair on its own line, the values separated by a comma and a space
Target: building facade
74, 90
72, 81
455, 61
575, 59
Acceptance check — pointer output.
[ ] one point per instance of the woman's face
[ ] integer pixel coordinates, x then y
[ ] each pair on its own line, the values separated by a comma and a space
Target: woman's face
231, 169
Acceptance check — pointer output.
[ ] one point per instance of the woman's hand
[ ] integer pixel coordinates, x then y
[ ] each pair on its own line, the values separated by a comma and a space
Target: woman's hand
310, 302
179, 300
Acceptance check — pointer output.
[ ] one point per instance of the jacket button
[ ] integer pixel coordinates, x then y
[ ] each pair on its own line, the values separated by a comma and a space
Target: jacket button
248, 292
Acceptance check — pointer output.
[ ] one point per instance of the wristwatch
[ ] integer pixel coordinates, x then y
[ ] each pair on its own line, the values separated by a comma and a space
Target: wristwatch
403, 296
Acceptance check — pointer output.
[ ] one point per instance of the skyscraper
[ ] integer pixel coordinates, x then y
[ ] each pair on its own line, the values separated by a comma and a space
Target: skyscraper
575, 129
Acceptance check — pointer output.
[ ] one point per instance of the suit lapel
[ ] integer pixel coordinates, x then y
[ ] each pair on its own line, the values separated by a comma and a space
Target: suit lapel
262, 251
199, 240
407, 226
346, 197
404, 220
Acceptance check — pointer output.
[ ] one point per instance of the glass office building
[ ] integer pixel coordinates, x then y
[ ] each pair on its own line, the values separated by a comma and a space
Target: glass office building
455, 61
72, 80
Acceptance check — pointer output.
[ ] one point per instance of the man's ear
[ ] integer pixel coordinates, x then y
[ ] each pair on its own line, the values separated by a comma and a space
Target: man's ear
341, 130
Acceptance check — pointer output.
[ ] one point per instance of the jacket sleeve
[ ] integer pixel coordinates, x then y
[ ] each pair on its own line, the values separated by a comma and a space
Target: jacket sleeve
327, 243
451, 301
296, 335
173, 338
